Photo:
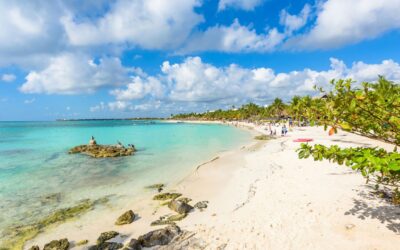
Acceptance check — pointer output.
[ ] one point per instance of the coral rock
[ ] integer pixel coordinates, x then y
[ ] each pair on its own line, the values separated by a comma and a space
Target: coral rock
126, 218
62, 244
160, 236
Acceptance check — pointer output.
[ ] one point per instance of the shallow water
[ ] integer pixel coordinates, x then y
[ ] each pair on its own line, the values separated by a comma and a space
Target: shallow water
34, 163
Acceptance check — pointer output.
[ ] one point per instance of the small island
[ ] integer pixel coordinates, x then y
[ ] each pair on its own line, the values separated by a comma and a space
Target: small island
103, 151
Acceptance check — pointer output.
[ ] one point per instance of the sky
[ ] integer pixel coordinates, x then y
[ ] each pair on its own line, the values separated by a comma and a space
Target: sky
70, 59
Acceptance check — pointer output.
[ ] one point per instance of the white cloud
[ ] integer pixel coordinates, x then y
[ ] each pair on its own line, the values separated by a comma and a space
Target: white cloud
120, 106
75, 74
8, 77
30, 101
294, 22
342, 22
139, 88
196, 81
234, 38
150, 24
99, 107
239, 4
29, 31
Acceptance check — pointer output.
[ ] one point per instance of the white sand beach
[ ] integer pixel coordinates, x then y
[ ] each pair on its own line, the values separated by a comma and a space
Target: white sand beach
262, 196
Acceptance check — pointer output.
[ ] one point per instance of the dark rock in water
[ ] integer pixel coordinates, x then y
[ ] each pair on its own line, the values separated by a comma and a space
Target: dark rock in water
34, 248
50, 198
102, 151
180, 207
166, 196
201, 205
159, 187
168, 220
159, 237
107, 246
106, 236
134, 244
62, 244
126, 218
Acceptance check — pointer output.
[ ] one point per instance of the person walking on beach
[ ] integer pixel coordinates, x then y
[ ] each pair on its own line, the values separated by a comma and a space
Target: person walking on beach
284, 130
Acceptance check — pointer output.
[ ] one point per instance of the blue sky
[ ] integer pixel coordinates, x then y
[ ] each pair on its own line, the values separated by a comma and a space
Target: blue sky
120, 58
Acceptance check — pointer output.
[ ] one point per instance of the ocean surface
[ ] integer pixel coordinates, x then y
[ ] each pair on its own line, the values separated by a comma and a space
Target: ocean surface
37, 175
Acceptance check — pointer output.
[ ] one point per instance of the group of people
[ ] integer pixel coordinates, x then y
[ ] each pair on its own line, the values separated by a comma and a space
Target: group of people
92, 141
272, 132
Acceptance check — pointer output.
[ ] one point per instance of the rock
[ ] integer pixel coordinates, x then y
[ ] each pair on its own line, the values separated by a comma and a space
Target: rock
50, 199
168, 220
159, 237
62, 244
350, 226
134, 244
180, 207
201, 205
159, 187
102, 151
166, 196
34, 248
262, 137
107, 246
82, 242
185, 199
126, 218
106, 236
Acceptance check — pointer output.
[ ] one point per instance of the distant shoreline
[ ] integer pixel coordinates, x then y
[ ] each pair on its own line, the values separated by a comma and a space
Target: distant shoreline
111, 119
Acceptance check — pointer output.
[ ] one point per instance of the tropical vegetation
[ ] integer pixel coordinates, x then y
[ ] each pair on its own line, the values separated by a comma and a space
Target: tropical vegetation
370, 109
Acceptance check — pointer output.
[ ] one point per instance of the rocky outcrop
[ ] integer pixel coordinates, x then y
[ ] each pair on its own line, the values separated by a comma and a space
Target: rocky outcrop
102, 151
166, 196
134, 244
180, 207
126, 218
62, 244
168, 220
107, 246
159, 237
106, 236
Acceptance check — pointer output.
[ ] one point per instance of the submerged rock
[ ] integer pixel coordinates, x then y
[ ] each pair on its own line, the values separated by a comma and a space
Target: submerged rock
180, 207
106, 236
159, 237
102, 151
51, 198
262, 137
15, 237
107, 246
159, 187
166, 196
126, 218
62, 244
168, 220
34, 248
201, 205
134, 244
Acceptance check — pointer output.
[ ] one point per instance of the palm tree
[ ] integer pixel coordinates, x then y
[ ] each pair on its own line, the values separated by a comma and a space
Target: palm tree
277, 107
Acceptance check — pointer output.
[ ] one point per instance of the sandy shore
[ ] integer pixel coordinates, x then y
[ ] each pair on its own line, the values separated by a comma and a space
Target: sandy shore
263, 197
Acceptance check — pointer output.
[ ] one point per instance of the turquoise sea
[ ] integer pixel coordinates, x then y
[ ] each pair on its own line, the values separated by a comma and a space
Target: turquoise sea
34, 163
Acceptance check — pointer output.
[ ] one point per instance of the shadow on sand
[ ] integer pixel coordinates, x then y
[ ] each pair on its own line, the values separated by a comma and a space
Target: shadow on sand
377, 209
